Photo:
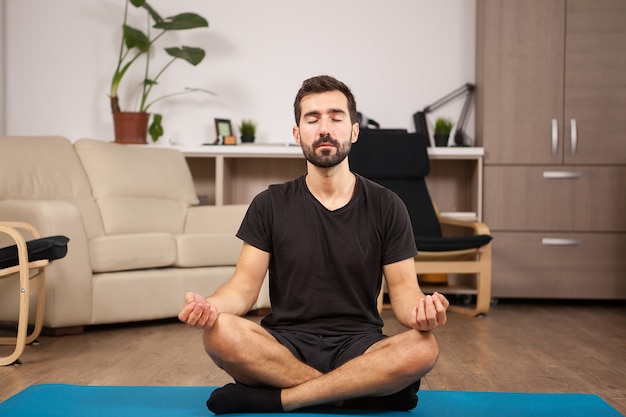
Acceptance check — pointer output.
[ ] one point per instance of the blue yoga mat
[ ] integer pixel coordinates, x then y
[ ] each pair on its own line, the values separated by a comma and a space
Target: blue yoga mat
121, 401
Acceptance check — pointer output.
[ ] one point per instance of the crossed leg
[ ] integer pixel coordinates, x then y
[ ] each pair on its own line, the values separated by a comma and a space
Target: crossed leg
253, 357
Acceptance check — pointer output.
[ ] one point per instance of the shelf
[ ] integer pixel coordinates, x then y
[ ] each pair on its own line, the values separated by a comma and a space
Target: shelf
455, 152
460, 215
278, 150
232, 174
242, 151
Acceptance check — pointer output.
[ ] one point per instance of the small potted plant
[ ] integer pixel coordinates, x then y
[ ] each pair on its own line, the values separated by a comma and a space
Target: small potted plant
247, 130
135, 44
443, 127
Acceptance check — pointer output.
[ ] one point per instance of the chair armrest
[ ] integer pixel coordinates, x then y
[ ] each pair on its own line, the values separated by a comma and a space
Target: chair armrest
477, 227
12, 230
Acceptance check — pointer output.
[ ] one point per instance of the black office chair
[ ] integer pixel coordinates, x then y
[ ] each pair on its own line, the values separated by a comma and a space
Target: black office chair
27, 259
399, 161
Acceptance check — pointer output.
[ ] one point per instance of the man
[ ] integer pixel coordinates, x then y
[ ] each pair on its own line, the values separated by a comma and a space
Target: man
327, 238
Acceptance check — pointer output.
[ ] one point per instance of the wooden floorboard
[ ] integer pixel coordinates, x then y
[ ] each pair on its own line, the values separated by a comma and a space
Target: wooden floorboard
518, 346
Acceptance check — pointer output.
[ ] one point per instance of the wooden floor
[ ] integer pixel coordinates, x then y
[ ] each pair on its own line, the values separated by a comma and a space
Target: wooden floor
519, 346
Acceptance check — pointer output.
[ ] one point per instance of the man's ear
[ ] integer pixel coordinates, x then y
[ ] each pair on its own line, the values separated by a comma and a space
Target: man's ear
355, 132
296, 134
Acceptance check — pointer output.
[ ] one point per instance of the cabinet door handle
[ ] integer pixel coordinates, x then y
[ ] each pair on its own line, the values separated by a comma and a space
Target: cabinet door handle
555, 241
555, 137
562, 175
573, 137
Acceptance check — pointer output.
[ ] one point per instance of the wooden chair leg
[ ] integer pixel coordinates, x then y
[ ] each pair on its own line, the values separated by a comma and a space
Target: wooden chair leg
483, 288
22, 320
38, 283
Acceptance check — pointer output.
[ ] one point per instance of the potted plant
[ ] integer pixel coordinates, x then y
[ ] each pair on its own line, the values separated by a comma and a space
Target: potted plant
247, 130
443, 127
134, 44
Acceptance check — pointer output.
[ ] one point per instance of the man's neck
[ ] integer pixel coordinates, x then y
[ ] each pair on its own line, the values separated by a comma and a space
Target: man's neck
332, 187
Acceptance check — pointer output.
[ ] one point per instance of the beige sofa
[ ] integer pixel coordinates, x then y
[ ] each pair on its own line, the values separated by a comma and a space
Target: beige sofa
138, 239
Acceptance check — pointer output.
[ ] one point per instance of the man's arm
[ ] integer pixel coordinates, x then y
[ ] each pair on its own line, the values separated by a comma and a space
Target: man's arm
410, 306
236, 296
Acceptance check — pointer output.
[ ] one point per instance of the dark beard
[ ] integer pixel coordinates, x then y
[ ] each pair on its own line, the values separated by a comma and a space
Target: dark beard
326, 160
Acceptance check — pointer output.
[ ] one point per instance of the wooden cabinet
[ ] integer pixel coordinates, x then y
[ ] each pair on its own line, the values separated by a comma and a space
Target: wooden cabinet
551, 115
561, 265
545, 198
520, 67
551, 81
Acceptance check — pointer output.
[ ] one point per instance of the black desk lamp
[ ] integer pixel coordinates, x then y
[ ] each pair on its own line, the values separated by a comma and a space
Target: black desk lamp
459, 137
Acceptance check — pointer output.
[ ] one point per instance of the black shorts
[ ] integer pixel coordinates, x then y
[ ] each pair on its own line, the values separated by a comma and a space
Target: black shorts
325, 353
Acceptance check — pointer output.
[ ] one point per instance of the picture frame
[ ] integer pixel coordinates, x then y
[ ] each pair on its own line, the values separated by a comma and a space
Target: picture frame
223, 128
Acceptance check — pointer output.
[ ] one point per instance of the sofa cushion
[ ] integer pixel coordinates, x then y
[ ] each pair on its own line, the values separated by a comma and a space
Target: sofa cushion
147, 214
218, 249
138, 188
132, 251
47, 168
215, 219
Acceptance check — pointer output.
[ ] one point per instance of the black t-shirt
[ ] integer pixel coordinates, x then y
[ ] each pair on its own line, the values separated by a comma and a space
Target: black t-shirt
326, 266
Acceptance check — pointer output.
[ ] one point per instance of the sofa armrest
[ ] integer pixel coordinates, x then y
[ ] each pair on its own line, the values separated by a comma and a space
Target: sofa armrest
68, 280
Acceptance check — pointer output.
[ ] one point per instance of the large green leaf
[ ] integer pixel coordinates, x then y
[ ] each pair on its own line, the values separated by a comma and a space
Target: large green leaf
192, 55
155, 16
182, 21
134, 38
142, 3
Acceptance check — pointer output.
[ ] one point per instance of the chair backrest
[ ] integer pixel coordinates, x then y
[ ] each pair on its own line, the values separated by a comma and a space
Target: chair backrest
399, 162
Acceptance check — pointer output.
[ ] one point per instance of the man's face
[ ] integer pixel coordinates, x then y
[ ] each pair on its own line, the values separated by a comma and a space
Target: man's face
325, 132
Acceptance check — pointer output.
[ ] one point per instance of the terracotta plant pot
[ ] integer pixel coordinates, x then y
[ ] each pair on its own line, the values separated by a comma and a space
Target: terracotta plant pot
131, 127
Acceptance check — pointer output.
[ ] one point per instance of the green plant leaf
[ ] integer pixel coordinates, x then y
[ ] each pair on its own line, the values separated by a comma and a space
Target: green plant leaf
192, 55
443, 126
247, 127
134, 38
155, 16
182, 21
156, 129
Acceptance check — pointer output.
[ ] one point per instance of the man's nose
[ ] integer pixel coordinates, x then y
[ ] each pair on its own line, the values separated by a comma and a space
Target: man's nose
324, 127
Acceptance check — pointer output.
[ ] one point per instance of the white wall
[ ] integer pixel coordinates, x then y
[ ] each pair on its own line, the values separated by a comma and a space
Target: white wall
397, 56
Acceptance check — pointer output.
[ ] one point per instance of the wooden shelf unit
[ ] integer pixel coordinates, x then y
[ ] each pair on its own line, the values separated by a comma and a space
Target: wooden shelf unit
233, 174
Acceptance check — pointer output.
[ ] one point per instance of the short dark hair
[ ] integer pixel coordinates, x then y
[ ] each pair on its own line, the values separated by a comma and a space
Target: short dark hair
323, 84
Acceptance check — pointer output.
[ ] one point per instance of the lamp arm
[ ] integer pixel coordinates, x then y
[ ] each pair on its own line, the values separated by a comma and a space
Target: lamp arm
450, 96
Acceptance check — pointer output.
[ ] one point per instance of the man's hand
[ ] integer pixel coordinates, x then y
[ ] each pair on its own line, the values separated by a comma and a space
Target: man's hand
198, 312
430, 313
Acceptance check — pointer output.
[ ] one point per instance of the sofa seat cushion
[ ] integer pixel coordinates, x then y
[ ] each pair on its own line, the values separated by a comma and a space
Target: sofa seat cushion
132, 251
204, 249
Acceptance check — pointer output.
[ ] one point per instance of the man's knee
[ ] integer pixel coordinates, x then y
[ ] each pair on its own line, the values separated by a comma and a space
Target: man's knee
227, 333
232, 339
422, 354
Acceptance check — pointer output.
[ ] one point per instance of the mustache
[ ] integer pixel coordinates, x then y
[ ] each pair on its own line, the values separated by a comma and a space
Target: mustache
326, 139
